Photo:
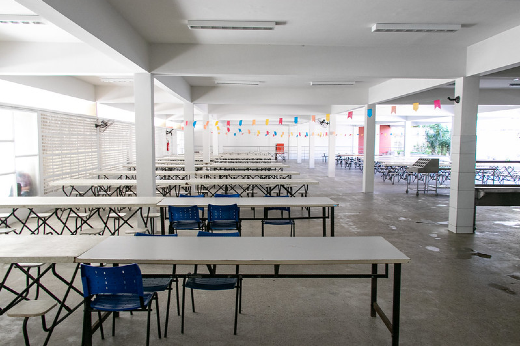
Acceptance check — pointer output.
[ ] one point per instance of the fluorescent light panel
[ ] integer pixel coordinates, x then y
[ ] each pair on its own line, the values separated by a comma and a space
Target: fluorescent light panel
382, 27
332, 83
230, 25
21, 19
116, 80
236, 82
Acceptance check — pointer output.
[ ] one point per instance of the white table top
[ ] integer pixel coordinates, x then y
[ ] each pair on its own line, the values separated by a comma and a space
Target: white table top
244, 250
265, 182
78, 202
45, 248
250, 202
246, 173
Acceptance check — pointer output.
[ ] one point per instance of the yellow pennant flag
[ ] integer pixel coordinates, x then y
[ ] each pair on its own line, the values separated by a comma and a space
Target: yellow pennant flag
267, 121
218, 128
327, 117
291, 133
216, 123
258, 133
415, 106
282, 134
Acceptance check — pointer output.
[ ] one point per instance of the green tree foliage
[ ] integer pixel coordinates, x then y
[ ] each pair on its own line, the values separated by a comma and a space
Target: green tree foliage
438, 139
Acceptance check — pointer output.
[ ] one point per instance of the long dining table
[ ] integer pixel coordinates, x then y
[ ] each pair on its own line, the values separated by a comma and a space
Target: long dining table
275, 251
326, 205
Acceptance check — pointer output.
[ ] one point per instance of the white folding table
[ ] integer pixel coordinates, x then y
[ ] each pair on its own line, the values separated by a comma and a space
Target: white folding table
262, 251
16, 249
325, 203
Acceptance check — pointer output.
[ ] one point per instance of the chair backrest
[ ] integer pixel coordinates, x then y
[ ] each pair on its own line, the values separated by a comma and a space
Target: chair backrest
227, 195
184, 213
287, 209
140, 234
219, 234
185, 195
111, 280
223, 212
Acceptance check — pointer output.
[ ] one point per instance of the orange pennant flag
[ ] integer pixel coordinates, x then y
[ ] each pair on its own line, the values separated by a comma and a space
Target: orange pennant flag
313, 118
254, 122
394, 110
415, 106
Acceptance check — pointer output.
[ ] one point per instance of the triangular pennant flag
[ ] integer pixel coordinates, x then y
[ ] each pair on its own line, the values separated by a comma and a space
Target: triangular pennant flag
282, 134
205, 127
306, 134
186, 123
228, 123
257, 133
216, 123
275, 133
369, 112
254, 122
194, 123
248, 132
327, 117
240, 123
207, 123
182, 128
416, 106
228, 129
313, 118
267, 121
280, 121
266, 133
350, 114
235, 134
239, 130
292, 134
437, 104
394, 110
296, 120
299, 133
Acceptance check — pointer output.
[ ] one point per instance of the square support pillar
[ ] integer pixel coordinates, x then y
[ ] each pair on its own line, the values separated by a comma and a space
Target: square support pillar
332, 146
206, 150
144, 134
369, 142
463, 155
189, 146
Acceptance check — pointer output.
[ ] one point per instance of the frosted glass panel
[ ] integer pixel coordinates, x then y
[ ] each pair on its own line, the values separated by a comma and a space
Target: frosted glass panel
25, 133
7, 157
6, 125
7, 185
27, 175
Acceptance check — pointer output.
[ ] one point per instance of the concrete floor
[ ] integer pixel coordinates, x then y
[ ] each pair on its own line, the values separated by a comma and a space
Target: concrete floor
457, 290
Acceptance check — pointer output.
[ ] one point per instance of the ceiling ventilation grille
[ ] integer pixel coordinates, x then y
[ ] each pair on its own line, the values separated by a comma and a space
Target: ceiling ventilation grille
382, 27
230, 25
18, 19
236, 82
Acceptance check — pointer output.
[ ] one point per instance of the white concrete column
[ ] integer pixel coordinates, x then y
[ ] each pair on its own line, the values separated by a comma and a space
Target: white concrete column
206, 150
215, 139
378, 135
408, 144
355, 139
311, 144
332, 146
369, 140
173, 143
144, 134
299, 143
189, 146
463, 153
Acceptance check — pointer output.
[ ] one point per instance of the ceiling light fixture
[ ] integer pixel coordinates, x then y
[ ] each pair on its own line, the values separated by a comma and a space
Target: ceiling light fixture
230, 25
332, 83
236, 82
21, 19
116, 80
386, 27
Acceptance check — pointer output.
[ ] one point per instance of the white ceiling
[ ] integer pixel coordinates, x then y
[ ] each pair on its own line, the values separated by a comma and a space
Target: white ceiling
325, 24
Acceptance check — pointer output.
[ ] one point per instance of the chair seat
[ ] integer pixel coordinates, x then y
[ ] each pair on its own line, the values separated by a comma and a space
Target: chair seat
119, 302
32, 308
151, 284
211, 284
278, 222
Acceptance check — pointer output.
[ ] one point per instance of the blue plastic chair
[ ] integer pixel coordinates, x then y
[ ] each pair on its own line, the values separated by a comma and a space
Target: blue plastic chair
115, 289
281, 221
158, 283
201, 209
223, 217
185, 218
213, 284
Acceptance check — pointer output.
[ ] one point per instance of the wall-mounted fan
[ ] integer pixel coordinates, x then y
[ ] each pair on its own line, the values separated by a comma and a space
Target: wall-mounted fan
169, 131
103, 125
323, 122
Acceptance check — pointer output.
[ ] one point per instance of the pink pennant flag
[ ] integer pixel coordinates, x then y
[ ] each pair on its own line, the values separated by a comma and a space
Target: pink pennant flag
228, 129
228, 123
350, 114
280, 121
437, 104
186, 122
313, 118
394, 110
